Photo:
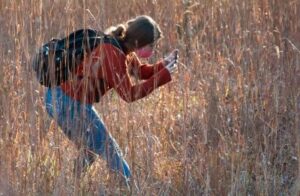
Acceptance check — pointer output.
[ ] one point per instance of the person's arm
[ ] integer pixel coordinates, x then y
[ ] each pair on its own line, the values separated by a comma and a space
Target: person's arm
118, 78
144, 71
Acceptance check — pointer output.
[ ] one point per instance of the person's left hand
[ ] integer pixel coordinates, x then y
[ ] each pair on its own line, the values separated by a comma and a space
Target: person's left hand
172, 66
171, 61
171, 57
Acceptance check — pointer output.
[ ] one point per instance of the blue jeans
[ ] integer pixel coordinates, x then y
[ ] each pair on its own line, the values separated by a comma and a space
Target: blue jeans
81, 123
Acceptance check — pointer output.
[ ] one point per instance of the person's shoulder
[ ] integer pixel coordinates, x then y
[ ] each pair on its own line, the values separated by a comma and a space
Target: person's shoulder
109, 47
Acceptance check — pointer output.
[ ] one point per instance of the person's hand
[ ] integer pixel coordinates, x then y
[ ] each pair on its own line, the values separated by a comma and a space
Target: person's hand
171, 61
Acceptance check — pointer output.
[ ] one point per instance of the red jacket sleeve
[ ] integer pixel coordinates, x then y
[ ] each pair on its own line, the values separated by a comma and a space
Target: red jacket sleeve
119, 79
143, 71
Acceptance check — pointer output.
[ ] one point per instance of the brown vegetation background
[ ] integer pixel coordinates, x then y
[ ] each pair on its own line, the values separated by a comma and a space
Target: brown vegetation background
228, 124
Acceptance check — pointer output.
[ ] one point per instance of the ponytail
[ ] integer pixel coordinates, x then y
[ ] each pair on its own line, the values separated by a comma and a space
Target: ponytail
117, 31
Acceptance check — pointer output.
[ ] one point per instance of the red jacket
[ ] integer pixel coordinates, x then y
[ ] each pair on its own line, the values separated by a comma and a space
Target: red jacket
108, 67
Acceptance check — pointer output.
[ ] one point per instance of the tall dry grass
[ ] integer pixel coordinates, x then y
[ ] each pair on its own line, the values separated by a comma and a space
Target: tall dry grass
228, 124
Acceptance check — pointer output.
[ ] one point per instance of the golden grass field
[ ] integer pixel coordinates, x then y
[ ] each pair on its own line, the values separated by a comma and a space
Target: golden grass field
228, 123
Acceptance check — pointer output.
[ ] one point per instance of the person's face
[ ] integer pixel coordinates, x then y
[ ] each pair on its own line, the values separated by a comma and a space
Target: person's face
146, 51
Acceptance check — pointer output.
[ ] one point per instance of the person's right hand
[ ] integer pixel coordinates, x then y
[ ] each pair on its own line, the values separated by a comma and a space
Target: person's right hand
171, 61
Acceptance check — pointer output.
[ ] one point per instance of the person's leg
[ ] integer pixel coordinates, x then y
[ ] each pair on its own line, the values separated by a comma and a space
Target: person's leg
71, 118
101, 142
82, 124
